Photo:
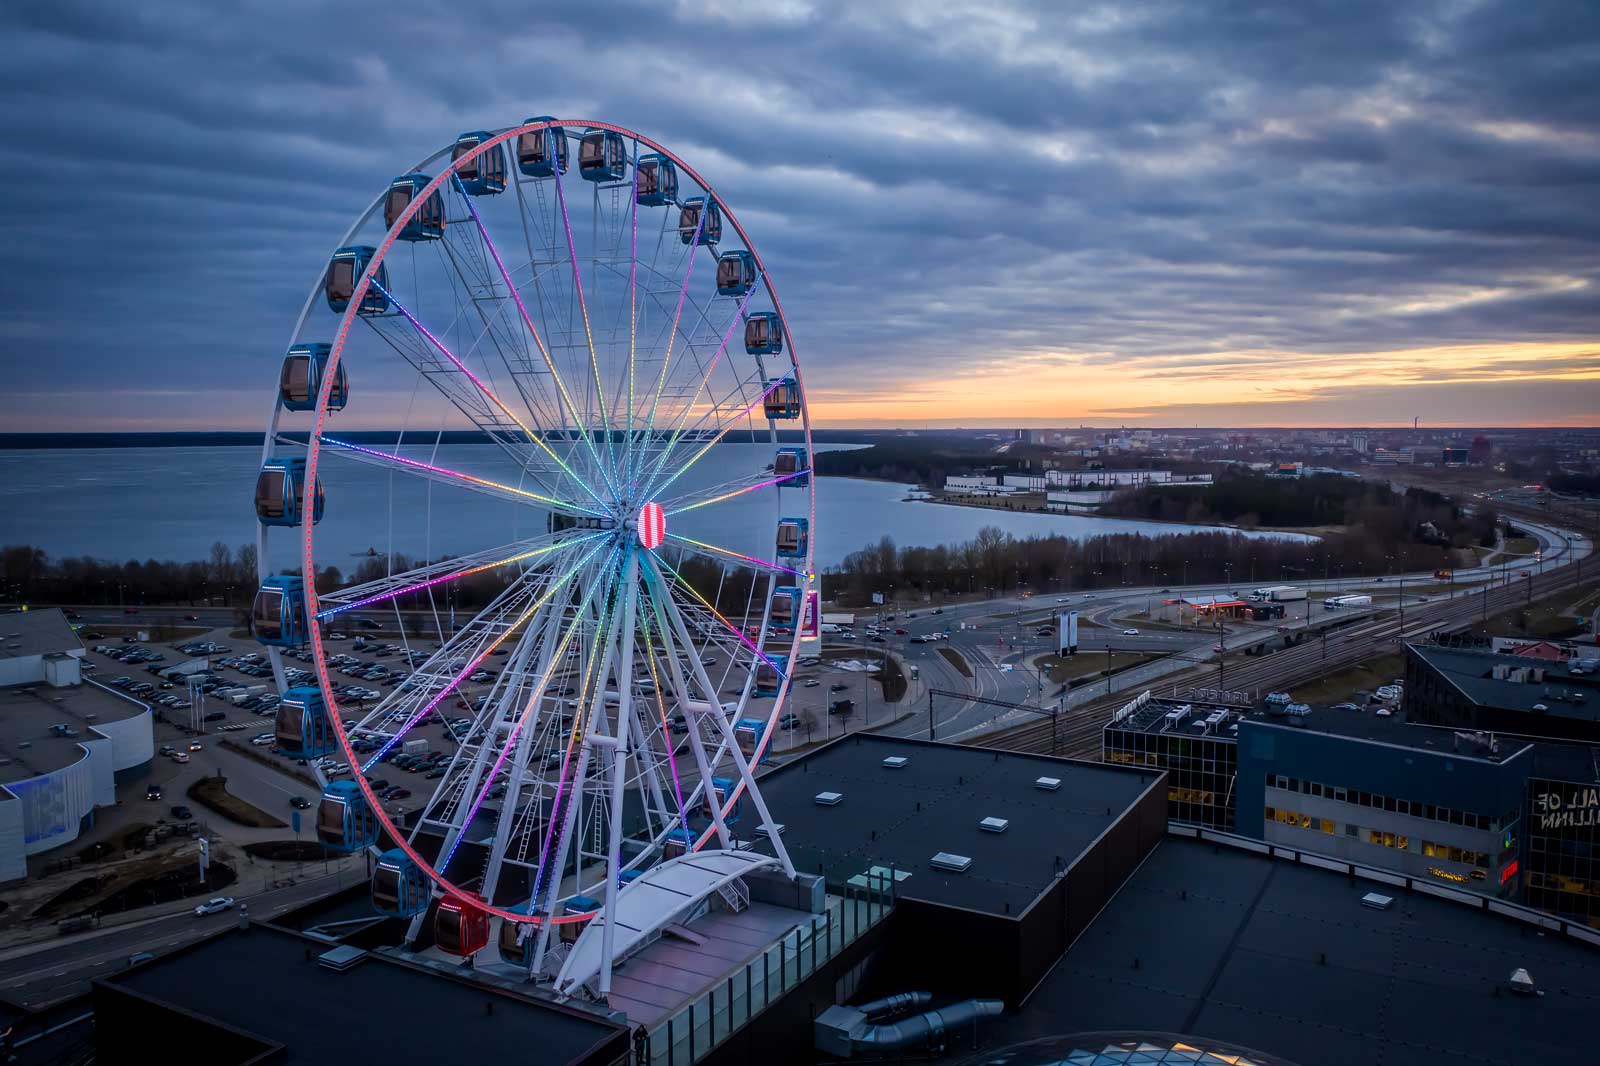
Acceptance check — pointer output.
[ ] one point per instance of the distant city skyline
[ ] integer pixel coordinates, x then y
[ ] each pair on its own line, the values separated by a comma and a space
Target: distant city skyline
1004, 215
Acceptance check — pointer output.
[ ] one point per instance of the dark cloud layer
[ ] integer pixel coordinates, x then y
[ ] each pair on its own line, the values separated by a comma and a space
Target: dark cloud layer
935, 187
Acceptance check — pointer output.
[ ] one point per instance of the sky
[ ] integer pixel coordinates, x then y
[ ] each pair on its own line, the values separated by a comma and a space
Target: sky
1140, 213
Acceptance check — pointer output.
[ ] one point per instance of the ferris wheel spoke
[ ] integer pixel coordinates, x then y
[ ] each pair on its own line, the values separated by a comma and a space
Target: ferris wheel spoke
583, 308
651, 490
666, 360
505, 630
533, 436
657, 563
434, 472
527, 319
712, 551
709, 497
417, 579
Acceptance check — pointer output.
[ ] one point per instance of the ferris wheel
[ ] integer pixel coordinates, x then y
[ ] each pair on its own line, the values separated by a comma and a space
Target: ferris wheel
546, 380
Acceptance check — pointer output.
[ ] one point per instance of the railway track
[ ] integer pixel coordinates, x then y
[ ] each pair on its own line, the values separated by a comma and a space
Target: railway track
1077, 733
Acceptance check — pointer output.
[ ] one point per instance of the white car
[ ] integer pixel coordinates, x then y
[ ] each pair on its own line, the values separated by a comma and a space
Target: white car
1130, 632
262, 742
215, 905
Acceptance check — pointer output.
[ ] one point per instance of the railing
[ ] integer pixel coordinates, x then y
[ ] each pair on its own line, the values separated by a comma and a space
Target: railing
727, 1006
736, 894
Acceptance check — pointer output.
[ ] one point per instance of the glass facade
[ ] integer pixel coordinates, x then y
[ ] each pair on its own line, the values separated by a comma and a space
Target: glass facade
1562, 872
1201, 771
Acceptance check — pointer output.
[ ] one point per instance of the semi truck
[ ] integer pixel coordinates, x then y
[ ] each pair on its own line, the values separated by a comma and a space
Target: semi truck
838, 618
1333, 603
1286, 594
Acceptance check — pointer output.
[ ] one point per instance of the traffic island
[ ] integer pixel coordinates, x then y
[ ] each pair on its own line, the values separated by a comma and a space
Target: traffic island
212, 793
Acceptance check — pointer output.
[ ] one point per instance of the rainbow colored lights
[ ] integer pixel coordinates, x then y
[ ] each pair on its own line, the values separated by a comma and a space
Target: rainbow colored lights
432, 469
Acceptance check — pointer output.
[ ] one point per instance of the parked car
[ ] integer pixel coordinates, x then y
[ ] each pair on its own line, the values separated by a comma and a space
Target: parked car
810, 682
182, 813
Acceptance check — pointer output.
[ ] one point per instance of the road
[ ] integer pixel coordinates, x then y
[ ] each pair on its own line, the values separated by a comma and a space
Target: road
43, 973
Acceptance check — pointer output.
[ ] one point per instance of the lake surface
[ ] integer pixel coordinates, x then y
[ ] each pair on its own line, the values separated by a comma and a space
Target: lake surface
173, 503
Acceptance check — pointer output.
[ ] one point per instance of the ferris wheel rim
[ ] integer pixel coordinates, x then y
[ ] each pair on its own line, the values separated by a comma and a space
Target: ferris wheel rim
437, 878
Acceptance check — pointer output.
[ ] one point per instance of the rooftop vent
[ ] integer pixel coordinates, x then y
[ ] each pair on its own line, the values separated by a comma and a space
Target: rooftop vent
1049, 784
1377, 901
829, 799
895, 762
954, 863
994, 825
342, 958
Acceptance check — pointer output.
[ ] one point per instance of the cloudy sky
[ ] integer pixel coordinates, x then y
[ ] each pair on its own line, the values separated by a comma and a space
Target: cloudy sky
1308, 213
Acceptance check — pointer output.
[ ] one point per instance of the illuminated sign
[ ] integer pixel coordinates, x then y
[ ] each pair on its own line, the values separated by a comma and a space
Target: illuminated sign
1577, 808
1447, 875
812, 629
1509, 872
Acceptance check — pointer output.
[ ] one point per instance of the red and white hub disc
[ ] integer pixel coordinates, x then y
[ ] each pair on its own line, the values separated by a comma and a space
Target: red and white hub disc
652, 525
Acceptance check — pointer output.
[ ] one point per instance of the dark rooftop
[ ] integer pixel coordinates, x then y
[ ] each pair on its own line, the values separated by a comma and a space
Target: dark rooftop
901, 818
1241, 960
1396, 731
379, 1011
41, 632
1472, 672
1567, 762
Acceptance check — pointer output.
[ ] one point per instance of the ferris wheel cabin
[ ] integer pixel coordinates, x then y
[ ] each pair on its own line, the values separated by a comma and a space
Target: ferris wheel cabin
459, 928
677, 842
791, 464
278, 492
301, 378
767, 681
483, 175
303, 728
689, 221
658, 181
278, 616
794, 536
399, 887
736, 273
584, 905
747, 732
542, 153
428, 223
782, 399
345, 821
602, 156
344, 272
785, 608
718, 794
763, 334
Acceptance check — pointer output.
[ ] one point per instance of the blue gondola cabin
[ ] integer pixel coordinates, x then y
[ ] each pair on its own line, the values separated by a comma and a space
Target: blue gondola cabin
736, 273
279, 488
690, 224
303, 728
602, 156
485, 173
785, 609
721, 788
763, 334
344, 272
768, 680
791, 465
301, 378
570, 931
278, 616
428, 222
677, 842
399, 887
794, 537
658, 181
542, 153
782, 399
345, 820
747, 733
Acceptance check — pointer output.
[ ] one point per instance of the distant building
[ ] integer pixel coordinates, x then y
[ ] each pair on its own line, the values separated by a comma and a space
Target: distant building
1392, 456
970, 483
1481, 453
1453, 457
1359, 443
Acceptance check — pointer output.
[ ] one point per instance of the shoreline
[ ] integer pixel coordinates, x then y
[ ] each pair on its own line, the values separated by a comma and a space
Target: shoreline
1313, 532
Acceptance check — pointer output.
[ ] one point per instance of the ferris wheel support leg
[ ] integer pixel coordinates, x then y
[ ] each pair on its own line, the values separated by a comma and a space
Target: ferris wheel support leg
681, 687
726, 729
619, 758
557, 865
494, 715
